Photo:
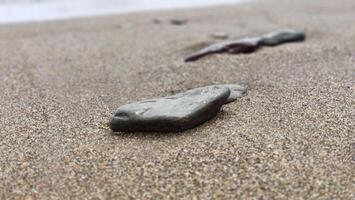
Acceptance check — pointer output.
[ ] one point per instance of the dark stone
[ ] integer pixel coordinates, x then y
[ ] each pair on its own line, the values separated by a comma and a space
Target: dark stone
249, 45
173, 113
178, 21
280, 37
157, 21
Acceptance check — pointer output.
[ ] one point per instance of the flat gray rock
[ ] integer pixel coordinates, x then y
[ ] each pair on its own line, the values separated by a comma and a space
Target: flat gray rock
280, 37
173, 113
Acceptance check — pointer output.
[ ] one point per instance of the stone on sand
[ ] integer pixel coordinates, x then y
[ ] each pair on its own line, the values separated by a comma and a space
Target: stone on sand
174, 113
249, 45
178, 21
245, 45
220, 35
280, 37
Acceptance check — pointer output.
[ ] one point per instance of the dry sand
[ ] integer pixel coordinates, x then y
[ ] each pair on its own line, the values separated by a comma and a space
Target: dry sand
291, 137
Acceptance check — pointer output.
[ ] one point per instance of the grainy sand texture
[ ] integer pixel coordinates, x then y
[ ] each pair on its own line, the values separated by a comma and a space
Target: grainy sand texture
291, 137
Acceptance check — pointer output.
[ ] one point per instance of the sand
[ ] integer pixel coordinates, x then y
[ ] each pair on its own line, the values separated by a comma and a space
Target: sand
291, 137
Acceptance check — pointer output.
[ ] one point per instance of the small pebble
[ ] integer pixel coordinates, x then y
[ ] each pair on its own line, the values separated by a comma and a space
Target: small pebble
178, 21
220, 35
157, 21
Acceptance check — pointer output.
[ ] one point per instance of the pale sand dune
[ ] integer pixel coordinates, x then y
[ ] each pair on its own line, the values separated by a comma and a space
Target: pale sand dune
291, 137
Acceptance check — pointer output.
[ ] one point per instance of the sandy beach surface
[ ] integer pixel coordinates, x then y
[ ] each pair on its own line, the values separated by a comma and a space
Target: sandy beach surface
291, 137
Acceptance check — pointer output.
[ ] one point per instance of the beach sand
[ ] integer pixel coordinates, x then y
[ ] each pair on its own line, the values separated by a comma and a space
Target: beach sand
291, 137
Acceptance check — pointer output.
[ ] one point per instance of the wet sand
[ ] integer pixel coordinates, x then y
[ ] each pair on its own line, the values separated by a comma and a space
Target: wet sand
292, 136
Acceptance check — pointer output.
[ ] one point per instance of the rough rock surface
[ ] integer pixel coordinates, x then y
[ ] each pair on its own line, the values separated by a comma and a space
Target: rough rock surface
171, 114
175, 113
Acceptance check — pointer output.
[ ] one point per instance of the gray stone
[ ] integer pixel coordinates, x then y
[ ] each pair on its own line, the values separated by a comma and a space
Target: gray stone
157, 21
280, 37
220, 35
173, 113
178, 21
246, 45
237, 92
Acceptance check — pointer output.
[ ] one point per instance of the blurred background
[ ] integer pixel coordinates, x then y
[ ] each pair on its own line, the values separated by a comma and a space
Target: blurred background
12, 11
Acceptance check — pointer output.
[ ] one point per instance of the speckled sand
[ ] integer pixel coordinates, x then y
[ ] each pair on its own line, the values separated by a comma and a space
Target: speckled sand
291, 137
